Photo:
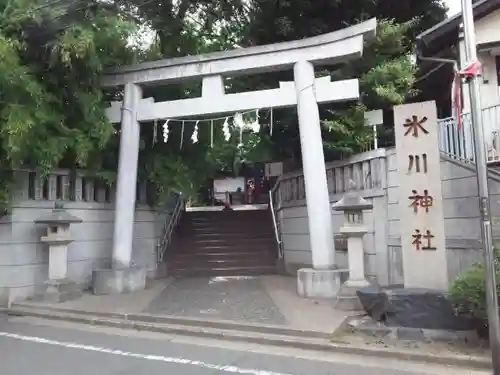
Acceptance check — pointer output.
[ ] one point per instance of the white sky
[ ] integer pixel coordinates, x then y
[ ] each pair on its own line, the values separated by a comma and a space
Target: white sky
454, 5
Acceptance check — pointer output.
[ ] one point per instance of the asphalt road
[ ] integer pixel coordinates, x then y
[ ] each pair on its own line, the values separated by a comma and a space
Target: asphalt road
31, 346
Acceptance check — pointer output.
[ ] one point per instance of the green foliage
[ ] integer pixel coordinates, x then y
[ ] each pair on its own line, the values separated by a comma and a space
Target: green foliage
468, 294
6, 188
181, 28
386, 71
52, 109
386, 76
51, 103
346, 130
168, 166
185, 27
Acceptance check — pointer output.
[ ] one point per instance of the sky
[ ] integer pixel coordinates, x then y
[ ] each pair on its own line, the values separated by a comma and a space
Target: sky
454, 5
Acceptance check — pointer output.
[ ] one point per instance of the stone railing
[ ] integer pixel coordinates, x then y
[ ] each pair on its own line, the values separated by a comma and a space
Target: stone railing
66, 185
367, 170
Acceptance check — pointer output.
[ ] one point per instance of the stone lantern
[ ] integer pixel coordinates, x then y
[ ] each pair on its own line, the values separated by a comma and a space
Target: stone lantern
352, 205
58, 237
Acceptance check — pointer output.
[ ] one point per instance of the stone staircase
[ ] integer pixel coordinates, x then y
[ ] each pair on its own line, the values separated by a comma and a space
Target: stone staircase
223, 243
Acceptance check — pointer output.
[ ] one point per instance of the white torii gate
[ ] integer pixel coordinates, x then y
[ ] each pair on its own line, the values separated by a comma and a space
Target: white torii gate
305, 92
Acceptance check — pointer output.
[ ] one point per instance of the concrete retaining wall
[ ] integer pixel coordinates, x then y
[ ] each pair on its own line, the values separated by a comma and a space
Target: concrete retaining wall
24, 260
375, 173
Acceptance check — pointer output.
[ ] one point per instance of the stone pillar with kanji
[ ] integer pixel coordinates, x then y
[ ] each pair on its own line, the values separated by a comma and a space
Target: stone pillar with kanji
421, 219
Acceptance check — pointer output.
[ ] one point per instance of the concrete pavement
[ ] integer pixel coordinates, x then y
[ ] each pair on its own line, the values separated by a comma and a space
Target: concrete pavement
268, 300
32, 346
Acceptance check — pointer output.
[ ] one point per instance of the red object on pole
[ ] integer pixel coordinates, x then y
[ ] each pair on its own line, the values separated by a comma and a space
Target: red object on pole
457, 99
472, 70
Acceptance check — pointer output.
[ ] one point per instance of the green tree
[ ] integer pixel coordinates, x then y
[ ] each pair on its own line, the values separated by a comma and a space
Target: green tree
51, 60
51, 103
386, 71
182, 28
52, 108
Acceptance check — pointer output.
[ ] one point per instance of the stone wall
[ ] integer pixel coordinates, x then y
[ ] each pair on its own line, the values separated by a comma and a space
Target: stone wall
383, 258
368, 171
461, 215
24, 260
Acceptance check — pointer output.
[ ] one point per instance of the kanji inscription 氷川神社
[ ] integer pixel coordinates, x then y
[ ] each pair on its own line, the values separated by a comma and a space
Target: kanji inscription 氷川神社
414, 163
421, 223
424, 201
423, 241
414, 126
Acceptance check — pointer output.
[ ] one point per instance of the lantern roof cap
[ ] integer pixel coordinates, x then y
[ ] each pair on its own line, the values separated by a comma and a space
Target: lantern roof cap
352, 200
58, 216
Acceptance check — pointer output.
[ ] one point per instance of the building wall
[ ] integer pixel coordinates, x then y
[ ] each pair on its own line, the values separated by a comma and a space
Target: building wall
488, 28
383, 257
487, 31
24, 259
490, 95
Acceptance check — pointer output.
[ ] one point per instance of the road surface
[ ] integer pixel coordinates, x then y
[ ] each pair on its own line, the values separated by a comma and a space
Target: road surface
32, 346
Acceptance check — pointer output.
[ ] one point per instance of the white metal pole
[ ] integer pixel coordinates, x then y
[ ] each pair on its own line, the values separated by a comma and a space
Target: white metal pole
375, 138
482, 182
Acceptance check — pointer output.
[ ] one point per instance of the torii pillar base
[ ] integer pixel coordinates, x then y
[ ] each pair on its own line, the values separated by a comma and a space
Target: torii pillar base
313, 283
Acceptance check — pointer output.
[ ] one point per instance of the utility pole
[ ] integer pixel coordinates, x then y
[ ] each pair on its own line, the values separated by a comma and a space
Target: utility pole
482, 183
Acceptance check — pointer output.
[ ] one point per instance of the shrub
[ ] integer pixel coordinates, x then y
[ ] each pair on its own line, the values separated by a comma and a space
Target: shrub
467, 293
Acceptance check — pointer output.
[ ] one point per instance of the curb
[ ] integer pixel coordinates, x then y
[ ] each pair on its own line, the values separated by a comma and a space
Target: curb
125, 321
401, 333
184, 321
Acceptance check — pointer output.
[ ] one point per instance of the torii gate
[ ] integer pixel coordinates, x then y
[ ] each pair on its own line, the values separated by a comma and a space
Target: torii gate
305, 92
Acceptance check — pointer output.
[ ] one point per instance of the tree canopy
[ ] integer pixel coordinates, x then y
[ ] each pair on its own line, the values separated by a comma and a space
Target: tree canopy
386, 71
52, 57
51, 105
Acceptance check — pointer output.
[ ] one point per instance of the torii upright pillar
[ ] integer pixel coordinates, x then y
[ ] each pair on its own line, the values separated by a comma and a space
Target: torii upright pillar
322, 280
123, 277
127, 179
313, 162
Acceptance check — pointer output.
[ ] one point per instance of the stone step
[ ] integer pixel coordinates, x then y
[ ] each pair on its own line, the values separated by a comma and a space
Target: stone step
221, 241
235, 213
221, 257
230, 271
230, 228
234, 242
218, 253
221, 250
231, 235
220, 263
226, 219
237, 243
218, 225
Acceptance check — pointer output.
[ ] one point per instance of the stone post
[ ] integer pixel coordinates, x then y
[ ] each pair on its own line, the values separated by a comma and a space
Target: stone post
322, 280
421, 204
352, 205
